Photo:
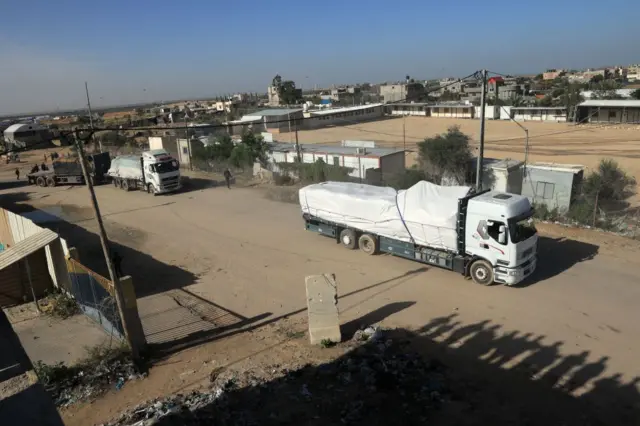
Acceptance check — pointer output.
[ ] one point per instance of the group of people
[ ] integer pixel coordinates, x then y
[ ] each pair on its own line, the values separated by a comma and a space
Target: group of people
43, 167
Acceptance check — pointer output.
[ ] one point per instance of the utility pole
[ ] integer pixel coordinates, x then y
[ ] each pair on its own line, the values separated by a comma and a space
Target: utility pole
104, 242
86, 89
483, 104
298, 151
404, 135
186, 135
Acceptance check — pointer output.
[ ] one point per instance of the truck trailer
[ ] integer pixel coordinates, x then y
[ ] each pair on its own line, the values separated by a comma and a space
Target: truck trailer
70, 172
155, 171
487, 235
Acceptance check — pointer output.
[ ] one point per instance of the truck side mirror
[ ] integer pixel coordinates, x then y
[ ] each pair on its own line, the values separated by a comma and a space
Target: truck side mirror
502, 236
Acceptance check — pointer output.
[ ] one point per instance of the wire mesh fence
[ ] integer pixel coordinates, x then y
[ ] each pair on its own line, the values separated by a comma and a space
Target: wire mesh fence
95, 295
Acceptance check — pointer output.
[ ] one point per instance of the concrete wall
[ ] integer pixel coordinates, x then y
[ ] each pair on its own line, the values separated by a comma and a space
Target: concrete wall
415, 110
505, 113
552, 188
492, 112
614, 115
392, 164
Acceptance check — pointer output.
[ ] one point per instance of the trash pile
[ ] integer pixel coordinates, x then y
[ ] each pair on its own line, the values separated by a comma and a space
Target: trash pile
85, 381
377, 380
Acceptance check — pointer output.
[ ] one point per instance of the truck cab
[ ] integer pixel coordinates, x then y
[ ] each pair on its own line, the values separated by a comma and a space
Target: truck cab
500, 238
161, 171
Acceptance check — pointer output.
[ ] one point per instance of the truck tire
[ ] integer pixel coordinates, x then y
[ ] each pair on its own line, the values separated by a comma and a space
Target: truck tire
51, 181
40, 181
348, 238
124, 184
481, 272
115, 182
151, 189
368, 244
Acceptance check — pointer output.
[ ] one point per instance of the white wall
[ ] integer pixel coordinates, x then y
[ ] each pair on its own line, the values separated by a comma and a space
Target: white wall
155, 142
453, 112
505, 113
539, 115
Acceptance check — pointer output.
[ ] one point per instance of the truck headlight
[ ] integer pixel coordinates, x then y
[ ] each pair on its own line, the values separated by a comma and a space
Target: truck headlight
513, 273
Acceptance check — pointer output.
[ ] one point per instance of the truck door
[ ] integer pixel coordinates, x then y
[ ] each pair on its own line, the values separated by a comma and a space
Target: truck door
493, 240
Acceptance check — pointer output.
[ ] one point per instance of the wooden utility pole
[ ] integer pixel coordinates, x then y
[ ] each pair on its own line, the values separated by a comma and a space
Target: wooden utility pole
86, 89
104, 242
483, 105
298, 150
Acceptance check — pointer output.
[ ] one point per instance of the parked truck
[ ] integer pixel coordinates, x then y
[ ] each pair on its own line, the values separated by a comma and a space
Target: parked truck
486, 235
70, 172
155, 171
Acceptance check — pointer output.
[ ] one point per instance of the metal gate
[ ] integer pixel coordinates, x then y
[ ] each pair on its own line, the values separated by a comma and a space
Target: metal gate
95, 295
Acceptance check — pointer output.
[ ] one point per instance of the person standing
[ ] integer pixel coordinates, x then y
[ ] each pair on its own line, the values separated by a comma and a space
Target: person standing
17, 173
227, 178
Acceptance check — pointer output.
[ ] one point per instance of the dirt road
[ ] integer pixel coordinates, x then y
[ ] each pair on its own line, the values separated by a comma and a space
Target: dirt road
216, 261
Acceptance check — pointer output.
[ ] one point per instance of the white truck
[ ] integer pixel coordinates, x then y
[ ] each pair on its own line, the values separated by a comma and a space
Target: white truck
487, 235
155, 171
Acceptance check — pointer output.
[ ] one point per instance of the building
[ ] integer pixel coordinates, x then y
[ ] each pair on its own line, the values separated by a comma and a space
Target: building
418, 109
609, 111
274, 120
550, 114
315, 119
401, 91
452, 111
273, 95
25, 135
623, 93
554, 185
552, 74
633, 73
368, 163
341, 92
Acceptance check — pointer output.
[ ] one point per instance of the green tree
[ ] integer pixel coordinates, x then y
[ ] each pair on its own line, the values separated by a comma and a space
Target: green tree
635, 94
257, 147
447, 154
547, 101
288, 93
608, 184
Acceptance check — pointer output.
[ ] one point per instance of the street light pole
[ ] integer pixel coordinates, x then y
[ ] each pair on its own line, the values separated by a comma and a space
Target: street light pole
483, 104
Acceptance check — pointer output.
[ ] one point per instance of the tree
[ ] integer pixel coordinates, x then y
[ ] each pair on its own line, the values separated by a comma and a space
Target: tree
635, 94
139, 112
596, 78
547, 101
288, 93
607, 184
539, 77
447, 154
257, 147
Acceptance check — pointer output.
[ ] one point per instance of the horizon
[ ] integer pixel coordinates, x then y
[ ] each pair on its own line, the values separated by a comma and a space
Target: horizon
135, 58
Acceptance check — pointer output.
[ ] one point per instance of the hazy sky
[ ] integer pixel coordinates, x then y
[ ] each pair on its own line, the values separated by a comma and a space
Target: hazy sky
140, 51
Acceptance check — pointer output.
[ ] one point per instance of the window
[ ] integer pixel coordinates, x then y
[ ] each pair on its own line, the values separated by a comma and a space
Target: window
336, 161
493, 229
446, 110
545, 190
612, 114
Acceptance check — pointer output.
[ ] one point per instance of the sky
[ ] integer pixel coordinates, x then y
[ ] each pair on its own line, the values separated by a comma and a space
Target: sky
144, 51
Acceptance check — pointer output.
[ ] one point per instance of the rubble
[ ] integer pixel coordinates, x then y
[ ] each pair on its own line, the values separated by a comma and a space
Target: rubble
86, 381
378, 380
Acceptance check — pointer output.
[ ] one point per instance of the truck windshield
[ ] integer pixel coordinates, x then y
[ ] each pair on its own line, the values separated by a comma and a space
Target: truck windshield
166, 167
521, 229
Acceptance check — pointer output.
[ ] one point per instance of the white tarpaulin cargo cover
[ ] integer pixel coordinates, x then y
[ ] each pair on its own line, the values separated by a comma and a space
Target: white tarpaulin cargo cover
426, 213
126, 166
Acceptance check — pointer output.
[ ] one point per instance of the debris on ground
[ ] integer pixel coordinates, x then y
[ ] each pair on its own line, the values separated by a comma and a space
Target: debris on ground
103, 370
378, 377
60, 305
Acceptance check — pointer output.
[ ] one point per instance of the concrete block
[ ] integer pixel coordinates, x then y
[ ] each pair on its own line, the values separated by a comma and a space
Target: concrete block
322, 306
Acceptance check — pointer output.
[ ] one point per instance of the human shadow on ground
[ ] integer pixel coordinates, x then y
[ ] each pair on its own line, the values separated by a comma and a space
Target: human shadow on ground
348, 329
556, 255
446, 373
192, 184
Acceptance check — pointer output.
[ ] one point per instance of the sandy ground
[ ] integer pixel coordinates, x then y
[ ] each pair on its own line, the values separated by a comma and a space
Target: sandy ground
217, 271
549, 142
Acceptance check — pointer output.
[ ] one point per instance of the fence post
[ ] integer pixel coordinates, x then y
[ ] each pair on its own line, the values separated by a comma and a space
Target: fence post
130, 311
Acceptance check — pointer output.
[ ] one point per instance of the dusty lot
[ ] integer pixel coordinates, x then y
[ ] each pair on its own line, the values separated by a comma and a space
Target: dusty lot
217, 271
553, 142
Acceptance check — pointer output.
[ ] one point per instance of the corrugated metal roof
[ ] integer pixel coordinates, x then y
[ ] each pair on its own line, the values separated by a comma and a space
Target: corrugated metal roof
19, 126
26, 247
339, 110
273, 111
617, 103
569, 168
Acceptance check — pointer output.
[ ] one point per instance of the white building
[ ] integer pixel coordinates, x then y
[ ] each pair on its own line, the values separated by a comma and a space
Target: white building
315, 119
420, 109
452, 111
550, 114
363, 161
24, 135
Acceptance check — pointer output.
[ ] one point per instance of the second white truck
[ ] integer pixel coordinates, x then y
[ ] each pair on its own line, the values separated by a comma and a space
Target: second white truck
155, 172
486, 236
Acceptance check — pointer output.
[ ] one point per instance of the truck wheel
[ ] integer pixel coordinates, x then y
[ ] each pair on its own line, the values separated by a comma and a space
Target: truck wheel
51, 181
40, 181
481, 272
151, 189
115, 182
124, 185
368, 244
348, 238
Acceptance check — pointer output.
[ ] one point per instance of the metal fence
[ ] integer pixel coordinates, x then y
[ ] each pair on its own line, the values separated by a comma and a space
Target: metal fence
95, 295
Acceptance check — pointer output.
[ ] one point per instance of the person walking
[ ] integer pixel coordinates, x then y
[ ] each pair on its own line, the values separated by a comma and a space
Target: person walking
227, 178
17, 173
